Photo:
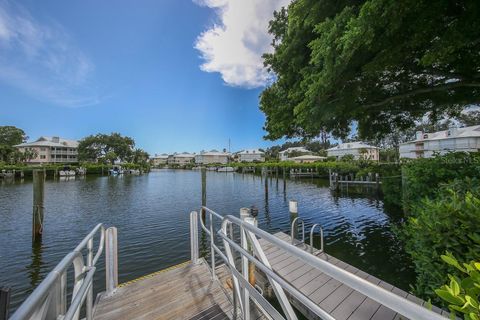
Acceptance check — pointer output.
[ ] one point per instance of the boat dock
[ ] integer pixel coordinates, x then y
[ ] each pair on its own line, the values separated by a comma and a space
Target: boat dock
316, 284
338, 299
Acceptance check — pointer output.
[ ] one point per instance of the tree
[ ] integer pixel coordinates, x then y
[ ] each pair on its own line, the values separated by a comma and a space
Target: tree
470, 118
106, 147
383, 64
9, 137
140, 156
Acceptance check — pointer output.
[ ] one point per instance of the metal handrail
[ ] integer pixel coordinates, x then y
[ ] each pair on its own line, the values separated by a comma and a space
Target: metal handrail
390, 300
311, 237
49, 299
292, 233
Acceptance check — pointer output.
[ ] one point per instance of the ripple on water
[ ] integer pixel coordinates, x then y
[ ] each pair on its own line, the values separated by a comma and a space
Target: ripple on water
151, 214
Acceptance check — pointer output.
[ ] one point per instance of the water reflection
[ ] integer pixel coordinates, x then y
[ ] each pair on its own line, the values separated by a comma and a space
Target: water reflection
35, 267
151, 213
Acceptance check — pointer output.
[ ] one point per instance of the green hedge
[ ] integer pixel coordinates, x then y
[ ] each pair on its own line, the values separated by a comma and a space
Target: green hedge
448, 221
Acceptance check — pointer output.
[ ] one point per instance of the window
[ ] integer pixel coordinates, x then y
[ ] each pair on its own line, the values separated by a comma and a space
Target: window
425, 136
43, 149
43, 156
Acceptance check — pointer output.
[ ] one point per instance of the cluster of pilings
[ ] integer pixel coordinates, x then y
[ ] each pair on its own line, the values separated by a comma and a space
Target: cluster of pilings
338, 181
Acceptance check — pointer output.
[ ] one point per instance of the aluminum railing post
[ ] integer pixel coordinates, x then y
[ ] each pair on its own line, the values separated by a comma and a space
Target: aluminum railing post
89, 309
212, 250
111, 259
194, 237
245, 214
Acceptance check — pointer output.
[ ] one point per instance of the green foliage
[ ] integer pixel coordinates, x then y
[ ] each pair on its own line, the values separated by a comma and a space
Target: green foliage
381, 63
447, 221
9, 137
106, 148
463, 292
423, 177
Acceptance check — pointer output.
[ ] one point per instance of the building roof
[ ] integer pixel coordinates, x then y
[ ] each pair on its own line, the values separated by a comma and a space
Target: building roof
184, 155
308, 157
352, 145
214, 153
161, 156
251, 151
295, 149
466, 132
50, 142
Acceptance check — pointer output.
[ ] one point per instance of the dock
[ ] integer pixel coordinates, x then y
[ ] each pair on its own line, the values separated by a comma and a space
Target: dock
185, 291
338, 299
236, 283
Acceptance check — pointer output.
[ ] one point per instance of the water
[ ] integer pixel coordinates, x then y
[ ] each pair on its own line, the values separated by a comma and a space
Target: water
151, 214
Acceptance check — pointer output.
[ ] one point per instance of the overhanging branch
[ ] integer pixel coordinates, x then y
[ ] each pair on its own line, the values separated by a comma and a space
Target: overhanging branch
442, 87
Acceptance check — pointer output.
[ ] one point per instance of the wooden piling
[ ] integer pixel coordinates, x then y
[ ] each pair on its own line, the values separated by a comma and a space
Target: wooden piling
38, 203
4, 302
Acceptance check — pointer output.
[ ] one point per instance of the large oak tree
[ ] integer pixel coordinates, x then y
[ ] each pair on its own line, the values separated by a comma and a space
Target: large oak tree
380, 63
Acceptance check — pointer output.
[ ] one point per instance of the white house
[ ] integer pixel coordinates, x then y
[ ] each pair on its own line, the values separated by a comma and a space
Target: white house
160, 159
251, 155
213, 156
358, 149
51, 150
181, 158
307, 158
286, 154
454, 139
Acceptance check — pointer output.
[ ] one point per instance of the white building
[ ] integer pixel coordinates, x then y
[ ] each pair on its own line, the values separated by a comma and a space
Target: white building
252, 155
213, 156
454, 139
51, 150
160, 159
286, 154
307, 159
181, 158
359, 150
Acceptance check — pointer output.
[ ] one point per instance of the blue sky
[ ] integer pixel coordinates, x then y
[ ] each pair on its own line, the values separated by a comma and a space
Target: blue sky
176, 75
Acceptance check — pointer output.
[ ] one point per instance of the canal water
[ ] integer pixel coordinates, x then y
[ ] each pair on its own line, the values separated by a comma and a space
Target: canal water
151, 214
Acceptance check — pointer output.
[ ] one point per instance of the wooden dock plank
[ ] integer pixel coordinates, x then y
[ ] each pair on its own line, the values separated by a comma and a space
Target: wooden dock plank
185, 292
338, 299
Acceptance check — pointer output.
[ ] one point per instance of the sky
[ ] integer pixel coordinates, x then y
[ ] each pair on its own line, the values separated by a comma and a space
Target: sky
176, 75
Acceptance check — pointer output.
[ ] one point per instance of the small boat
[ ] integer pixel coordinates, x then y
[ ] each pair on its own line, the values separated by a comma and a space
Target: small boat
81, 171
115, 171
66, 173
212, 168
226, 169
132, 171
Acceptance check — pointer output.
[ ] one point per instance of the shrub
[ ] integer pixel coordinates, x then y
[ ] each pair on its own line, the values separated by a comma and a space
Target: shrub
448, 221
462, 293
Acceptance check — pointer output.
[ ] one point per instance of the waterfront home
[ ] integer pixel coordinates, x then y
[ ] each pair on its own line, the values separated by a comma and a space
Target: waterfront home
159, 159
51, 150
426, 144
212, 156
251, 155
286, 154
359, 150
307, 158
181, 158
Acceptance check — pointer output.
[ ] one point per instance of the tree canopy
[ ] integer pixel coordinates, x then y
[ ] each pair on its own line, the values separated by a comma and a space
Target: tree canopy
106, 147
9, 137
380, 63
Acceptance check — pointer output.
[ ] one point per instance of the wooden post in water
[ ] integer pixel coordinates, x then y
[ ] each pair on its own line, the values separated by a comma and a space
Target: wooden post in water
4, 302
38, 204
204, 192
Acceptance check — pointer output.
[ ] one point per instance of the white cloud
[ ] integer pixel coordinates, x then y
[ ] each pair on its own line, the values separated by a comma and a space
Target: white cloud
235, 45
42, 60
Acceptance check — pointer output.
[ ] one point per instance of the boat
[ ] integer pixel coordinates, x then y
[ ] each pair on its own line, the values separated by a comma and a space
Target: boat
81, 171
66, 173
226, 169
116, 170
